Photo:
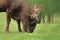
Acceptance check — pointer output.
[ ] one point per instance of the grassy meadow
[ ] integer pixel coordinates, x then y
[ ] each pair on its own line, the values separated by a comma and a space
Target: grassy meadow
46, 31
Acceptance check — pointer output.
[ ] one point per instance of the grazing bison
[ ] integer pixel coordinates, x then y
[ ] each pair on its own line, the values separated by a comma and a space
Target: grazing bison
28, 15
20, 12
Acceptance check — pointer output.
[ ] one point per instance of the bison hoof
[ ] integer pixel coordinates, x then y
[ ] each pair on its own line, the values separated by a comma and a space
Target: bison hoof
7, 31
20, 30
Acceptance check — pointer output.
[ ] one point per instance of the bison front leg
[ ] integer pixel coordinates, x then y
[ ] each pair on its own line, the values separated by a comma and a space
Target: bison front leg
8, 21
25, 25
19, 27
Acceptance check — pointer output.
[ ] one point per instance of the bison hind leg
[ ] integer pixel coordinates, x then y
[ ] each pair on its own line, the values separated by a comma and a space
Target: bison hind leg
19, 27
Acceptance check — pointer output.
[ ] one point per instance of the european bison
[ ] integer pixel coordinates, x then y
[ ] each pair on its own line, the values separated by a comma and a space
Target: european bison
20, 12
28, 15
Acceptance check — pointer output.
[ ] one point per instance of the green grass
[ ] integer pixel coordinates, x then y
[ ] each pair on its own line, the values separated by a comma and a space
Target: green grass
46, 31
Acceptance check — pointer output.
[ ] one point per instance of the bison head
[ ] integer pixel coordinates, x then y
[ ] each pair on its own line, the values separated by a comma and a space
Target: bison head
31, 25
33, 18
